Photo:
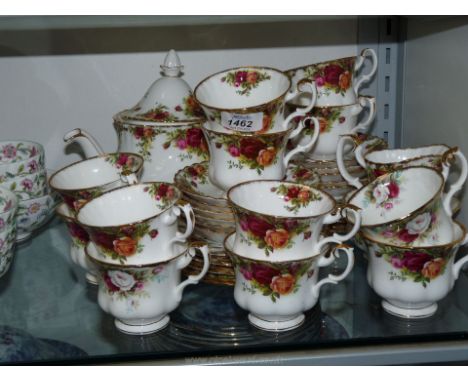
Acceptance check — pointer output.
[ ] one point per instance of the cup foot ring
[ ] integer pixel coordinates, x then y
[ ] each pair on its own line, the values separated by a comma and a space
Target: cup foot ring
409, 313
143, 329
276, 326
91, 279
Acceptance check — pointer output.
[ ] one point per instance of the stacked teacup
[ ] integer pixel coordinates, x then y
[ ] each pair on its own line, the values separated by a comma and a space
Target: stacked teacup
8, 210
339, 109
407, 227
23, 172
278, 247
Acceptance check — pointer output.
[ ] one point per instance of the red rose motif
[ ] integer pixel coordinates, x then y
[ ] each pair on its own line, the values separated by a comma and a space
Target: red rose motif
414, 261
178, 108
378, 172
257, 226
110, 285
122, 161
250, 147
162, 190
290, 224
263, 274
194, 137
407, 237
293, 192
332, 74
139, 132
241, 76
69, 201
154, 233
393, 189
78, 232
103, 240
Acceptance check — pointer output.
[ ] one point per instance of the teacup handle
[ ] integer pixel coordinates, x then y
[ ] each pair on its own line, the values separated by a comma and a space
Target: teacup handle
337, 238
129, 177
456, 267
363, 126
365, 77
455, 187
189, 217
300, 111
355, 182
186, 260
306, 147
334, 279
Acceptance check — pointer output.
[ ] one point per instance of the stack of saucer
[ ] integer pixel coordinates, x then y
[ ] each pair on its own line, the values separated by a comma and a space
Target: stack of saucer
214, 220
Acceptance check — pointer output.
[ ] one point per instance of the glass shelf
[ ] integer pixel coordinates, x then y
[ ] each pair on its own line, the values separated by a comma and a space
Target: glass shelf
45, 295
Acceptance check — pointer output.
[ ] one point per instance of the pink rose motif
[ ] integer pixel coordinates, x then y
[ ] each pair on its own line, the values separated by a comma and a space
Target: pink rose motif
9, 151
397, 262
234, 151
247, 273
182, 144
33, 152
244, 225
407, 237
158, 269
194, 137
33, 166
241, 76
122, 160
8, 206
27, 184
393, 190
388, 206
319, 81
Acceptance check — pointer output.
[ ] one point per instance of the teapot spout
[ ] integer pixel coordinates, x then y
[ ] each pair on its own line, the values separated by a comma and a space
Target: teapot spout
87, 142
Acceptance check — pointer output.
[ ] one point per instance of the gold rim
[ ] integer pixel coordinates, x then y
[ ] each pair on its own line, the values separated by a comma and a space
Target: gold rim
139, 167
334, 106
405, 149
232, 253
243, 110
451, 244
175, 201
236, 206
416, 211
322, 62
127, 266
242, 134
126, 124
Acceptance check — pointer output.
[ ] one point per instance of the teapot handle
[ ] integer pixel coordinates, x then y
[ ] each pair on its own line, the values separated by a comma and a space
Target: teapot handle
87, 142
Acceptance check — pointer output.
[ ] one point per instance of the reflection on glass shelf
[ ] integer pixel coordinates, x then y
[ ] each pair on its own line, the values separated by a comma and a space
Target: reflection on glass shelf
45, 295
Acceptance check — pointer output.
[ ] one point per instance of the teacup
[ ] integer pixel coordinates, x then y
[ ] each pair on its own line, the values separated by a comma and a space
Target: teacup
282, 221
79, 241
8, 208
238, 158
28, 186
335, 121
141, 296
276, 294
411, 279
406, 206
250, 100
136, 224
20, 158
335, 79
378, 162
87, 179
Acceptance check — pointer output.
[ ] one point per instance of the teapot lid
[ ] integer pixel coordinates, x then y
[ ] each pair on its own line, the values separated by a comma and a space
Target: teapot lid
169, 99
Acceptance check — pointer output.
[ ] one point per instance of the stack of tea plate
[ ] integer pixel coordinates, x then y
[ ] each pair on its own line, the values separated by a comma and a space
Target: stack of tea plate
214, 221
22, 171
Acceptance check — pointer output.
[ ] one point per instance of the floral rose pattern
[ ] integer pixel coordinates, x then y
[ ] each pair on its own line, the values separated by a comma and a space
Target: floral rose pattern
158, 114
255, 153
333, 76
12, 153
191, 108
303, 175
124, 162
420, 265
164, 193
271, 234
272, 280
130, 283
189, 141
79, 236
119, 243
245, 80
385, 193
296, 196
327, 117
422, 227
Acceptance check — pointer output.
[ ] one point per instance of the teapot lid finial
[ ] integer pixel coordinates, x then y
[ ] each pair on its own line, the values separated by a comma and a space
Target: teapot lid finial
172, 66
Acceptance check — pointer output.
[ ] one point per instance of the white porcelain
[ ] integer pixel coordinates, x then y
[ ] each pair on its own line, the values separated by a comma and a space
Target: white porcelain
238, 158
336, 80
276, 294
407, 206
335, 121
382, 161
302, 174
140, 297
28, 186
79, 241
136, 224
32, 214
282, 221
20, 158
411, 280
8, 209
86, 179
250, 100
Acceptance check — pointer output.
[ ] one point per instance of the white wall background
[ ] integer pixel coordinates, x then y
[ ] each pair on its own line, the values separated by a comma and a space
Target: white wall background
436, 83
43, 97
